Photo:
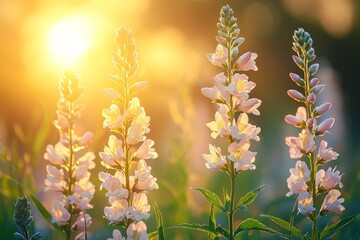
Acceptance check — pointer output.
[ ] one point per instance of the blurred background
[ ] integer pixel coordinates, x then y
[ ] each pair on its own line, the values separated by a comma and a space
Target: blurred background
41, 38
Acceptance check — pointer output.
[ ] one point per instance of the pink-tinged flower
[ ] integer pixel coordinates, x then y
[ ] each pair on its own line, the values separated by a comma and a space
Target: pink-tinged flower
134, 108
140, 207
113, 154
240, 155
143, 178
301, 145
220, 78
296, 95
244, 130
139, 86
114, 184
240, 85
56, 155
298, 178
311, 123
219, 57
117, 235
212, 92
86, 138
87, 160
324, 126
113, 118
55, 179
329, 179
299, 119
60, 214
83, 193
332, 202
221, 125
318, 111
137, 231
117, 211
139, 127
215, 159
146, 150
79, 224
325, 154
305, 203
249, 106
246, 62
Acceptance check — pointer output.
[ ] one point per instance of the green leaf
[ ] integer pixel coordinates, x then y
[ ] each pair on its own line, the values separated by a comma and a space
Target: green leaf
211, 197
222, 231
339, 224
249, 197
159, 223
36, 236
153, 235
285, 225
18, 236
34, 199
193, 226
252, 224
212, 224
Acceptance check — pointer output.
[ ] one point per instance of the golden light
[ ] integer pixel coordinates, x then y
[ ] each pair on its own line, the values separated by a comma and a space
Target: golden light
68, 41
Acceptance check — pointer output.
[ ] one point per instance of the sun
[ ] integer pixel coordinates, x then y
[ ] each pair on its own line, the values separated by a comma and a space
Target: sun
68, 41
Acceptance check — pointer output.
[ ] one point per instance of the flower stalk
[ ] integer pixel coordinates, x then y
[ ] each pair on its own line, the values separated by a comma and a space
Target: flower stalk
68, 173
129, 148
311, 184
231, 94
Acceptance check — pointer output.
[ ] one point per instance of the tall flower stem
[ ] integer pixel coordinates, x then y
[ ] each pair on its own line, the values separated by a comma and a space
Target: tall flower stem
232, 197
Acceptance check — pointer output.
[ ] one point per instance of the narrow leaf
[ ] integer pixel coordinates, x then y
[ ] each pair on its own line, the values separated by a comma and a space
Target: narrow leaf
285, 225
339, 224
152, 235
249, 197
159, 223
212, 224
18, 236
211, 197
222, 231
252, 224
36, 236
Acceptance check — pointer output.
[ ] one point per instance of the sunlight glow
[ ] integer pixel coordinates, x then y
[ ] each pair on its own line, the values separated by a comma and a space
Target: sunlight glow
68, 41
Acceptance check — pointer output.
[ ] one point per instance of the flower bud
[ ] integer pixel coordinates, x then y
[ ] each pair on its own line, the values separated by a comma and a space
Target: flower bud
314, 82
319, 110
313, 69
292, 120
297, 79
324, 126
311, 98
318, 89
297, 96
298, 61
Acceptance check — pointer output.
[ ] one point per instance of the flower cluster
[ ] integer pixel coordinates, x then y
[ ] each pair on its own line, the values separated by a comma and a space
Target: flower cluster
231, 94
128, 150
310, 184
68, 172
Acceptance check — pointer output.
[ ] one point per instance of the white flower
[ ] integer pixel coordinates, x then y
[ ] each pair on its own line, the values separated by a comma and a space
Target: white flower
305, 203
329, 179
86, 138
240, 85
83, 193
113, 154
298, 178
221, 125
115, 185
325, 154
55, 179
332, 202
56, 155
113, 117
134, 108
60, 214
146, 150
215, 159
117, 235
139, 127
301, 145
137, 231
240, 155
117, 211
244, 130
140, 207
144, 180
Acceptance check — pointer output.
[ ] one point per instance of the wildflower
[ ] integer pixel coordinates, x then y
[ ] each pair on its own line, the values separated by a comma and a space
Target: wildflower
68, 173
305, 203
310, 182
215, 159
242, 158
332, 202
129, 148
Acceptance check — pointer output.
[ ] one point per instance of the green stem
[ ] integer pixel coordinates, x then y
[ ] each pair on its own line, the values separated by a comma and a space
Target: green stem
232, 194
292, 218
313, 184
